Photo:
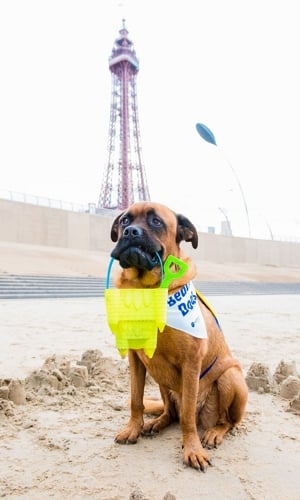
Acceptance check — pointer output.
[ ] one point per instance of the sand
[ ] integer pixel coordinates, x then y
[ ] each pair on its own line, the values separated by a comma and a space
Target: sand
64, 396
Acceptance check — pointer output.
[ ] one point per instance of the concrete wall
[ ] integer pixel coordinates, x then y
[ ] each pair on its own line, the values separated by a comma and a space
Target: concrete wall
37, 225
222, 249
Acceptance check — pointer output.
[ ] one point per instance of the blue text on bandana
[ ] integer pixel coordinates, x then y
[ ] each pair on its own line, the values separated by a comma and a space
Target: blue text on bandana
184, 313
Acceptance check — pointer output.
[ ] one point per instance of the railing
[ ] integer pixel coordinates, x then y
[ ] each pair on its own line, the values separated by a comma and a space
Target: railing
46, 202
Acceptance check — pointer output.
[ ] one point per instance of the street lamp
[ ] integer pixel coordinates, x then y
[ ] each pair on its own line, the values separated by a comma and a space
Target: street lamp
208, 136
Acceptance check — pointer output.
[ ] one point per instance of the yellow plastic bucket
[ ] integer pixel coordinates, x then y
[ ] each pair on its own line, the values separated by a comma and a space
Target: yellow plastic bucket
135, 315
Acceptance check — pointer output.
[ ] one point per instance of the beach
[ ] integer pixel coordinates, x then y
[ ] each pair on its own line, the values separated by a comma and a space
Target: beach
71, 390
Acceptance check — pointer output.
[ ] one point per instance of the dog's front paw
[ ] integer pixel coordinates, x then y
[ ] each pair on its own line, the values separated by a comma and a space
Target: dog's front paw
195, 456
129, 435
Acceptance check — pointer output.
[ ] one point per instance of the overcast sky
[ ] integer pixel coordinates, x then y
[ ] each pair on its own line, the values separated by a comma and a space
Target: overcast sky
232, 65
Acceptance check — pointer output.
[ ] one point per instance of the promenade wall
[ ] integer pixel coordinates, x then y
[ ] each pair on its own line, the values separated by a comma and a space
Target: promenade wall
39, 225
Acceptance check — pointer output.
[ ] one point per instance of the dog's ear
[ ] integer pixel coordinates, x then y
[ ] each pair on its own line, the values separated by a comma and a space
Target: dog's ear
114, 233
186, 231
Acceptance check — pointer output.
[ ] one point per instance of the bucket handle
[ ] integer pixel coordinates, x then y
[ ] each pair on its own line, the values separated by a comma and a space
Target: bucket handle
167, 274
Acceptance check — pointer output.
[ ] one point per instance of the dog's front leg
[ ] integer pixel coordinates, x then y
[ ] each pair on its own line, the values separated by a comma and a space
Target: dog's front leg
194, 454
130, 434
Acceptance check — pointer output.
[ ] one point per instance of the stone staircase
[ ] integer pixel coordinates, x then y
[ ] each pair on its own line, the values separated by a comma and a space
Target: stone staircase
30, 287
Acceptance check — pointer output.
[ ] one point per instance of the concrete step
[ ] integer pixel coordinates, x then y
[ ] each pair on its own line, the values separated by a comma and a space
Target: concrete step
18, 286
24, 286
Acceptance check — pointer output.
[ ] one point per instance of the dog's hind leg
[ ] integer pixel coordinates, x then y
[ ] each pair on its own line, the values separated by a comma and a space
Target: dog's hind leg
167, 412
230, 406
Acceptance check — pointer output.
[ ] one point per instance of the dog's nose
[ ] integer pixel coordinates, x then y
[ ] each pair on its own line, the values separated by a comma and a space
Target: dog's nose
132, 232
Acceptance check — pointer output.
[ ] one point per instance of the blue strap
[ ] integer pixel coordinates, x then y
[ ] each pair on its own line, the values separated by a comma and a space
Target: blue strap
208, 368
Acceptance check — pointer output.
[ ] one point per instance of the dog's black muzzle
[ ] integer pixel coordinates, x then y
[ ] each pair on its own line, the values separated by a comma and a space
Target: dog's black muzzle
135, 249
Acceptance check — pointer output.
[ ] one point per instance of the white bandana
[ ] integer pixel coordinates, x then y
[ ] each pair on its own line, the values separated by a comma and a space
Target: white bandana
184, 313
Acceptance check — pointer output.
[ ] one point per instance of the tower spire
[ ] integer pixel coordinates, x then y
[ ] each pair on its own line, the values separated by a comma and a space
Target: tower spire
124, 178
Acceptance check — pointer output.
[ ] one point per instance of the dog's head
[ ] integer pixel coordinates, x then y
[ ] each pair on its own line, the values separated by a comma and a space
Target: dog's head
146, 230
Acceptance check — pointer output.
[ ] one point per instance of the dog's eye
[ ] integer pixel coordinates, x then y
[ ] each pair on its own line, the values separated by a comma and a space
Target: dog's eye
155, 221
125, 221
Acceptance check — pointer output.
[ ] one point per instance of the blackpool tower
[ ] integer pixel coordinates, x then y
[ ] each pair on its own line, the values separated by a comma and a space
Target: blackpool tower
124, 178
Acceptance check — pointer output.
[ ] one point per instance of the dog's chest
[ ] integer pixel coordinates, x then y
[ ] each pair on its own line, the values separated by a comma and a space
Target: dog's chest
165, 365
164, 374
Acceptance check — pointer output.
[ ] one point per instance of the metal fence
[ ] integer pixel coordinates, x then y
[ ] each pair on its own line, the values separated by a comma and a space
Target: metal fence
47, 202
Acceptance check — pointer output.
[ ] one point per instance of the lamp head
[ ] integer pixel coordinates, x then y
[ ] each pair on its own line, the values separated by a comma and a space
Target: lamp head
206, 133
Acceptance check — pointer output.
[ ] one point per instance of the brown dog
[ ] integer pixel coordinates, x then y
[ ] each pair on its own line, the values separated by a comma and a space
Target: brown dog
199, 380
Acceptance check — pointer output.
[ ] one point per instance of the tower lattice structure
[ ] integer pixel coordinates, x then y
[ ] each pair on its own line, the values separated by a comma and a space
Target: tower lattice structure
124, 179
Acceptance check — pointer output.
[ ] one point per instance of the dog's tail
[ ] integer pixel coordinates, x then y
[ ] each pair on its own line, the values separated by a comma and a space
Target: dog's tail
153, 406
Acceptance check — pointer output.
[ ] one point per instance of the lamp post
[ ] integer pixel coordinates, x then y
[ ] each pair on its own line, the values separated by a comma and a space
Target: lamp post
208, 136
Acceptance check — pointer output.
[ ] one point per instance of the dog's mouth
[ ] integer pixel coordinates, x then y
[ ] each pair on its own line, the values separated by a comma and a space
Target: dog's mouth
137, 256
